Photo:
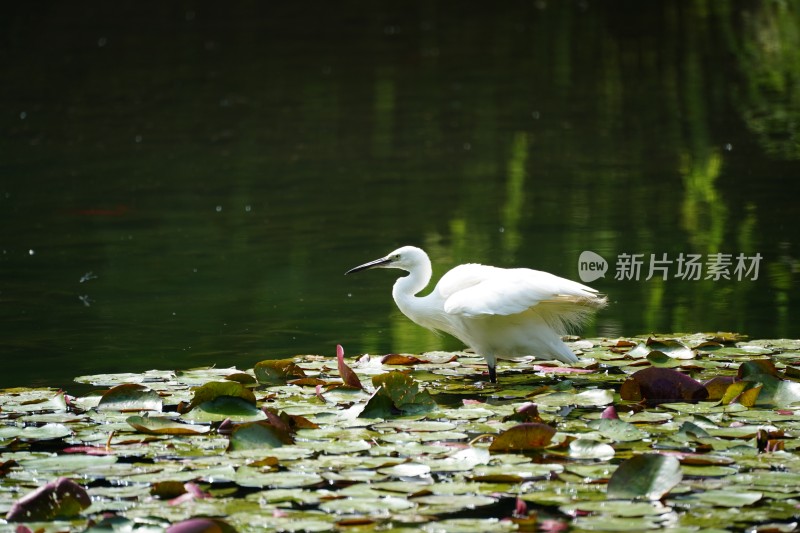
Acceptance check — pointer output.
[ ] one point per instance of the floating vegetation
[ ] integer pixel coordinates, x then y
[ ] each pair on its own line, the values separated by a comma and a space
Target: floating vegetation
694, 432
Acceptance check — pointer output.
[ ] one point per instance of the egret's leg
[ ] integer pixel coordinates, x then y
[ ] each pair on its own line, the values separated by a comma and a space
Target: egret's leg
493, 373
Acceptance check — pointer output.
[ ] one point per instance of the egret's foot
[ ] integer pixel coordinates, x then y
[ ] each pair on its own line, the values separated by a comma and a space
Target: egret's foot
493, 374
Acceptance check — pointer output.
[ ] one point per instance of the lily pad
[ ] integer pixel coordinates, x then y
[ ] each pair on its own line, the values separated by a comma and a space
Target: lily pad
367, 506
253, 477
737, 453
130, 397
774, 391
216, 389
647, 476
397, 393
201, 525
162, 425
617, 430
258, 435
36, 433
660, 385
590, 449
277, 372
530, 436
728, 498
60, 498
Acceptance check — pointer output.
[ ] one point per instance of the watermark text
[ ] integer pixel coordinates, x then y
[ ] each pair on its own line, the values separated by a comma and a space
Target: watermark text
687, 267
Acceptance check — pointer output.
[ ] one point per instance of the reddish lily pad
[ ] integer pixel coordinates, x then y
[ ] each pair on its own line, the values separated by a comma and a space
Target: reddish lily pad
547, 369
167, 490
277, 372
402, 359
62, 498
660, 385
717, 386
532, 436
758, 368
527, 412
201, 525
286, 422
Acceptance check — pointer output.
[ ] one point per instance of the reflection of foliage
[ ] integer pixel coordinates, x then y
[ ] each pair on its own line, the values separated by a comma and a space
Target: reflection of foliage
703, 212
770, 61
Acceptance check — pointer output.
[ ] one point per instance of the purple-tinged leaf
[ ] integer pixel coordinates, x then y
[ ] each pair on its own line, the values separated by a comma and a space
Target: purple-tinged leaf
349, 378
62, 498
201, 525
661, 385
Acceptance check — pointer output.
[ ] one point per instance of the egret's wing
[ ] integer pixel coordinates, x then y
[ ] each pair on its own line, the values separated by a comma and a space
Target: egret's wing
471, 291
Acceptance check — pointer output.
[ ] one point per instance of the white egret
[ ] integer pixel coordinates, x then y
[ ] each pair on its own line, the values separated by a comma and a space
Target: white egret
498, 312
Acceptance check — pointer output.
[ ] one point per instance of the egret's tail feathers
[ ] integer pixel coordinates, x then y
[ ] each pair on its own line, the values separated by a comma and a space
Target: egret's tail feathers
566, 314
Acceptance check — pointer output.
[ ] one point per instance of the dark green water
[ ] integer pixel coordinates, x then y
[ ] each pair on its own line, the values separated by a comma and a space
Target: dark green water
185, 185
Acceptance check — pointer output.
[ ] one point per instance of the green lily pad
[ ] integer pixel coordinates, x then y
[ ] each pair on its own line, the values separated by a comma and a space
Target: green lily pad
381, 506
258, 435
617, 430
514, 473
397, 393
68, 464
707, 472
462, 461
253, 477
647, 476
469, 525
435, 504
588, 398
603, 522
670, 348
222, 407
33, 433
162, 425
130, 397
662, 360
728, 498
216, 389
618, 508
590, 449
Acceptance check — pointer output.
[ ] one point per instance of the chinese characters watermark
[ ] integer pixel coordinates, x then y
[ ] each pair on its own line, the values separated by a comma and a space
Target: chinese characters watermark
687, 267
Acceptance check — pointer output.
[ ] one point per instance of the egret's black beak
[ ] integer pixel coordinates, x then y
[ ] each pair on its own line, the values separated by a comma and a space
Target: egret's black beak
372, 264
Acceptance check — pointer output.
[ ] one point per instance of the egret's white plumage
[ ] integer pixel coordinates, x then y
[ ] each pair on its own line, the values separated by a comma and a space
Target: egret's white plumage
498, 312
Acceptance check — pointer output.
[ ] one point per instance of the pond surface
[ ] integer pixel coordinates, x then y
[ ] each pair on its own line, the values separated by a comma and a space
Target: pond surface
186, 185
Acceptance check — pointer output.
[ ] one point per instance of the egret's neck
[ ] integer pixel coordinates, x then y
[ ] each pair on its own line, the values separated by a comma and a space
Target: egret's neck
405, 290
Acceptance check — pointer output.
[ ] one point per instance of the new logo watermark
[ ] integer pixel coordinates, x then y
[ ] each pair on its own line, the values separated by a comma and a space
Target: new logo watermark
591, 266
688, 267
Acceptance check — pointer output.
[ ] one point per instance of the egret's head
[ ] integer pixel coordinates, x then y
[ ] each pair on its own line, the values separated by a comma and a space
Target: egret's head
405, 258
